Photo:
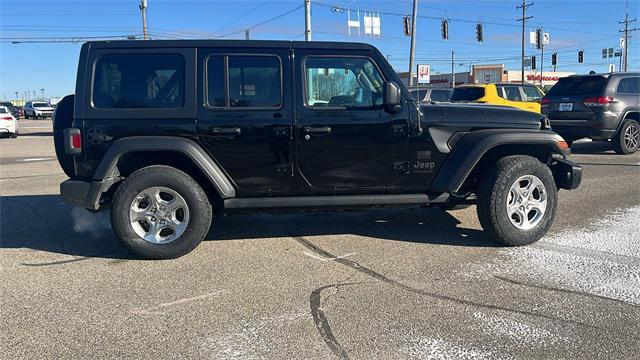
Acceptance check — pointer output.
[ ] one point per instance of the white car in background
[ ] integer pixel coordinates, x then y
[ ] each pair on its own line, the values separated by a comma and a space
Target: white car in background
37, 109
8, 123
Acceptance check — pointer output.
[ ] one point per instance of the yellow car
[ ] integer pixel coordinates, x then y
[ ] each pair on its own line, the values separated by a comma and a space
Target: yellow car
521, 96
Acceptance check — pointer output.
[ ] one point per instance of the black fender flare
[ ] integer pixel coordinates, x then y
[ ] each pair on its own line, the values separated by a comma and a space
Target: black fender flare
468, 151
107, 167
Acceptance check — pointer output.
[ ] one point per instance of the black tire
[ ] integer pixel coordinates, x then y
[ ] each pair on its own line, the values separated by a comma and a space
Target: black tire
200, 211
626, 146
493, 196
63, 119
13, 135
26, 116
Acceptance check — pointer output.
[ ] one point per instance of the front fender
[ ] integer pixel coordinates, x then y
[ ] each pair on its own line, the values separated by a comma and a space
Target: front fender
468, 151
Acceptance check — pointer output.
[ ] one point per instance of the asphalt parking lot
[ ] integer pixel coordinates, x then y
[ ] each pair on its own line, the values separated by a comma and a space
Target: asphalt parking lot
401, 283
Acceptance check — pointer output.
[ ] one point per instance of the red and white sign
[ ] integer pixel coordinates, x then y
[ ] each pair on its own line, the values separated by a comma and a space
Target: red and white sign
424, 74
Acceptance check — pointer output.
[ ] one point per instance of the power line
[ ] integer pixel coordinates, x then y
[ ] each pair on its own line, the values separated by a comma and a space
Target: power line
241, 16
263, 22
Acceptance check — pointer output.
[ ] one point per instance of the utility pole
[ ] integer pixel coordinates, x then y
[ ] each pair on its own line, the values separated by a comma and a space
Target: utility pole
626, 32
42, 91
412, 52
453, 70
307, 20
143, 10
541, 59
524, 19
246, 34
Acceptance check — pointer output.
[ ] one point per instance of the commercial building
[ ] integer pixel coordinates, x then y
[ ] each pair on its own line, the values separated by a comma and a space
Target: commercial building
492, 73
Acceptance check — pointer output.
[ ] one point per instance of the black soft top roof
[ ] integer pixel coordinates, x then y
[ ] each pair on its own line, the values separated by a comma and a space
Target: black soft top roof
112, 44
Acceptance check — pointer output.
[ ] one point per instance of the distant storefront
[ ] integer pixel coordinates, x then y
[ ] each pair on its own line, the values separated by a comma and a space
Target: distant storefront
493, 73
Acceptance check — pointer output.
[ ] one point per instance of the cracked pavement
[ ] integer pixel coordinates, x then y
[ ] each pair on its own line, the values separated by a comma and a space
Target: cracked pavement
392, 283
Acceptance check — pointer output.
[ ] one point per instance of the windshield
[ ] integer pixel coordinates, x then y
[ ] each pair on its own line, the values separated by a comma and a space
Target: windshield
40, 105
3, 110
583, 85
467, 93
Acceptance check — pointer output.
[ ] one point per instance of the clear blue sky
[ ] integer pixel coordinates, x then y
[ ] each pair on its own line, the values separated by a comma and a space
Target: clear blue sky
572, 24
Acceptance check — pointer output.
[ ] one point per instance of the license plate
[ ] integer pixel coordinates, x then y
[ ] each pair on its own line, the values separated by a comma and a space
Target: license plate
566, 107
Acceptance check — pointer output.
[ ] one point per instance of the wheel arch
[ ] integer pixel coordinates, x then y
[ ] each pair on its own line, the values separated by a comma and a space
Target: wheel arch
129, 154
472, 154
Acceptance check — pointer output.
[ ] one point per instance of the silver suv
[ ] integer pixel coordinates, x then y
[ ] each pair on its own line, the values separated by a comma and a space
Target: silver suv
599, 107
37, 109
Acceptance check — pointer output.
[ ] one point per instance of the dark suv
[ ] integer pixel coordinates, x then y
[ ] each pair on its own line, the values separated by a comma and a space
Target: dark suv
600, 107
167, 134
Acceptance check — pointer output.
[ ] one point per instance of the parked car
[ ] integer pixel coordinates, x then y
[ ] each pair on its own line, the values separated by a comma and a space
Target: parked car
424, 95
521, 96
15, 111
599, 106
167, 134
8, 123
37, 109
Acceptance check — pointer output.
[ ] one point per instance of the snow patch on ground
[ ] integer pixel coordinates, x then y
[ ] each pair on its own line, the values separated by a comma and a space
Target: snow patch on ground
250, 339
602, 260
440, 349
518, 332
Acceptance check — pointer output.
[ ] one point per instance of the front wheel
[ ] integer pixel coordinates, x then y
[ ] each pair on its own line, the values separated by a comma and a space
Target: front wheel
517, 200
160, 212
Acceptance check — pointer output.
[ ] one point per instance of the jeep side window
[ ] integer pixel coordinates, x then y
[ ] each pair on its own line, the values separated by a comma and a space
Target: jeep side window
139, 81
216, 82
630, 85
342, 82
531, 93
512, 93
254, 81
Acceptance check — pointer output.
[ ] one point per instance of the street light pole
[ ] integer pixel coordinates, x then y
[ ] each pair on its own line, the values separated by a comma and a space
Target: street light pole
412, 51
143, 10
307, 20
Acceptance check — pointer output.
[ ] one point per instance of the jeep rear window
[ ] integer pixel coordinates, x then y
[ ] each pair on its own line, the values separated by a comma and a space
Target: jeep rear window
468, 93
139, 81
578, 85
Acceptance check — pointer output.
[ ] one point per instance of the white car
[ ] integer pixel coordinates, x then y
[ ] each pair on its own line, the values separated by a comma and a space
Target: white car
8, 123
37, 109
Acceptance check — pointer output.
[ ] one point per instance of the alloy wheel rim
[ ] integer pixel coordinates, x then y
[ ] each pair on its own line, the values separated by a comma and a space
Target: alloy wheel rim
631, 136
526, 202
159, 215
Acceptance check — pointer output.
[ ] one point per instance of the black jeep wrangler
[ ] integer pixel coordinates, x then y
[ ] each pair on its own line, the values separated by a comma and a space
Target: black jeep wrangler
168, 133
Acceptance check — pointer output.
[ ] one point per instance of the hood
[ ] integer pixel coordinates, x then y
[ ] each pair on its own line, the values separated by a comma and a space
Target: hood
482, 115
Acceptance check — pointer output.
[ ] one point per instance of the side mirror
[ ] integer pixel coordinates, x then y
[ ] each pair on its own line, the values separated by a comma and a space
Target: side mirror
392, 96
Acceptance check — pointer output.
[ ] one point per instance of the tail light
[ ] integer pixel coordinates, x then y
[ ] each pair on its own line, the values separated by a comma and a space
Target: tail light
545, 102
598, 100
6, 118
72, 141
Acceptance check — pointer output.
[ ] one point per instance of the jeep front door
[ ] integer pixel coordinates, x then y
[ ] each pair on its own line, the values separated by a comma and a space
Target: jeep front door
346, 139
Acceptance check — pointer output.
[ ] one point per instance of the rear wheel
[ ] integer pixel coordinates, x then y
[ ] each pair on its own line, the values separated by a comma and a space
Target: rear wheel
160, 212
628, 138
517, 200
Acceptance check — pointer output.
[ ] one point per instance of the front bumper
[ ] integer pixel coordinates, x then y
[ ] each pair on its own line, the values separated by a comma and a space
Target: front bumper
566, 174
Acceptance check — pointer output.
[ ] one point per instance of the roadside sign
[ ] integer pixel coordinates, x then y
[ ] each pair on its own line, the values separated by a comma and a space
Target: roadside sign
545, 38
622, 44
424, 74
612, 68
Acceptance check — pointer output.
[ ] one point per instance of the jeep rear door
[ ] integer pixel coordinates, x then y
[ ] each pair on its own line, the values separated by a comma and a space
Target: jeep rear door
345, 138
244, 120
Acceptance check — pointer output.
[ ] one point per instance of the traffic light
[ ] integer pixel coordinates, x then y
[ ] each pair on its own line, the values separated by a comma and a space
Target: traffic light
445, 29
538, 38
406, 22
533, 63
580, 56
554, 59
479, 34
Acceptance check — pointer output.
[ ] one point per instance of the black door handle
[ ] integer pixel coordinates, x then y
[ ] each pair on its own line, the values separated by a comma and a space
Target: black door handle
317, 129
226, 131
